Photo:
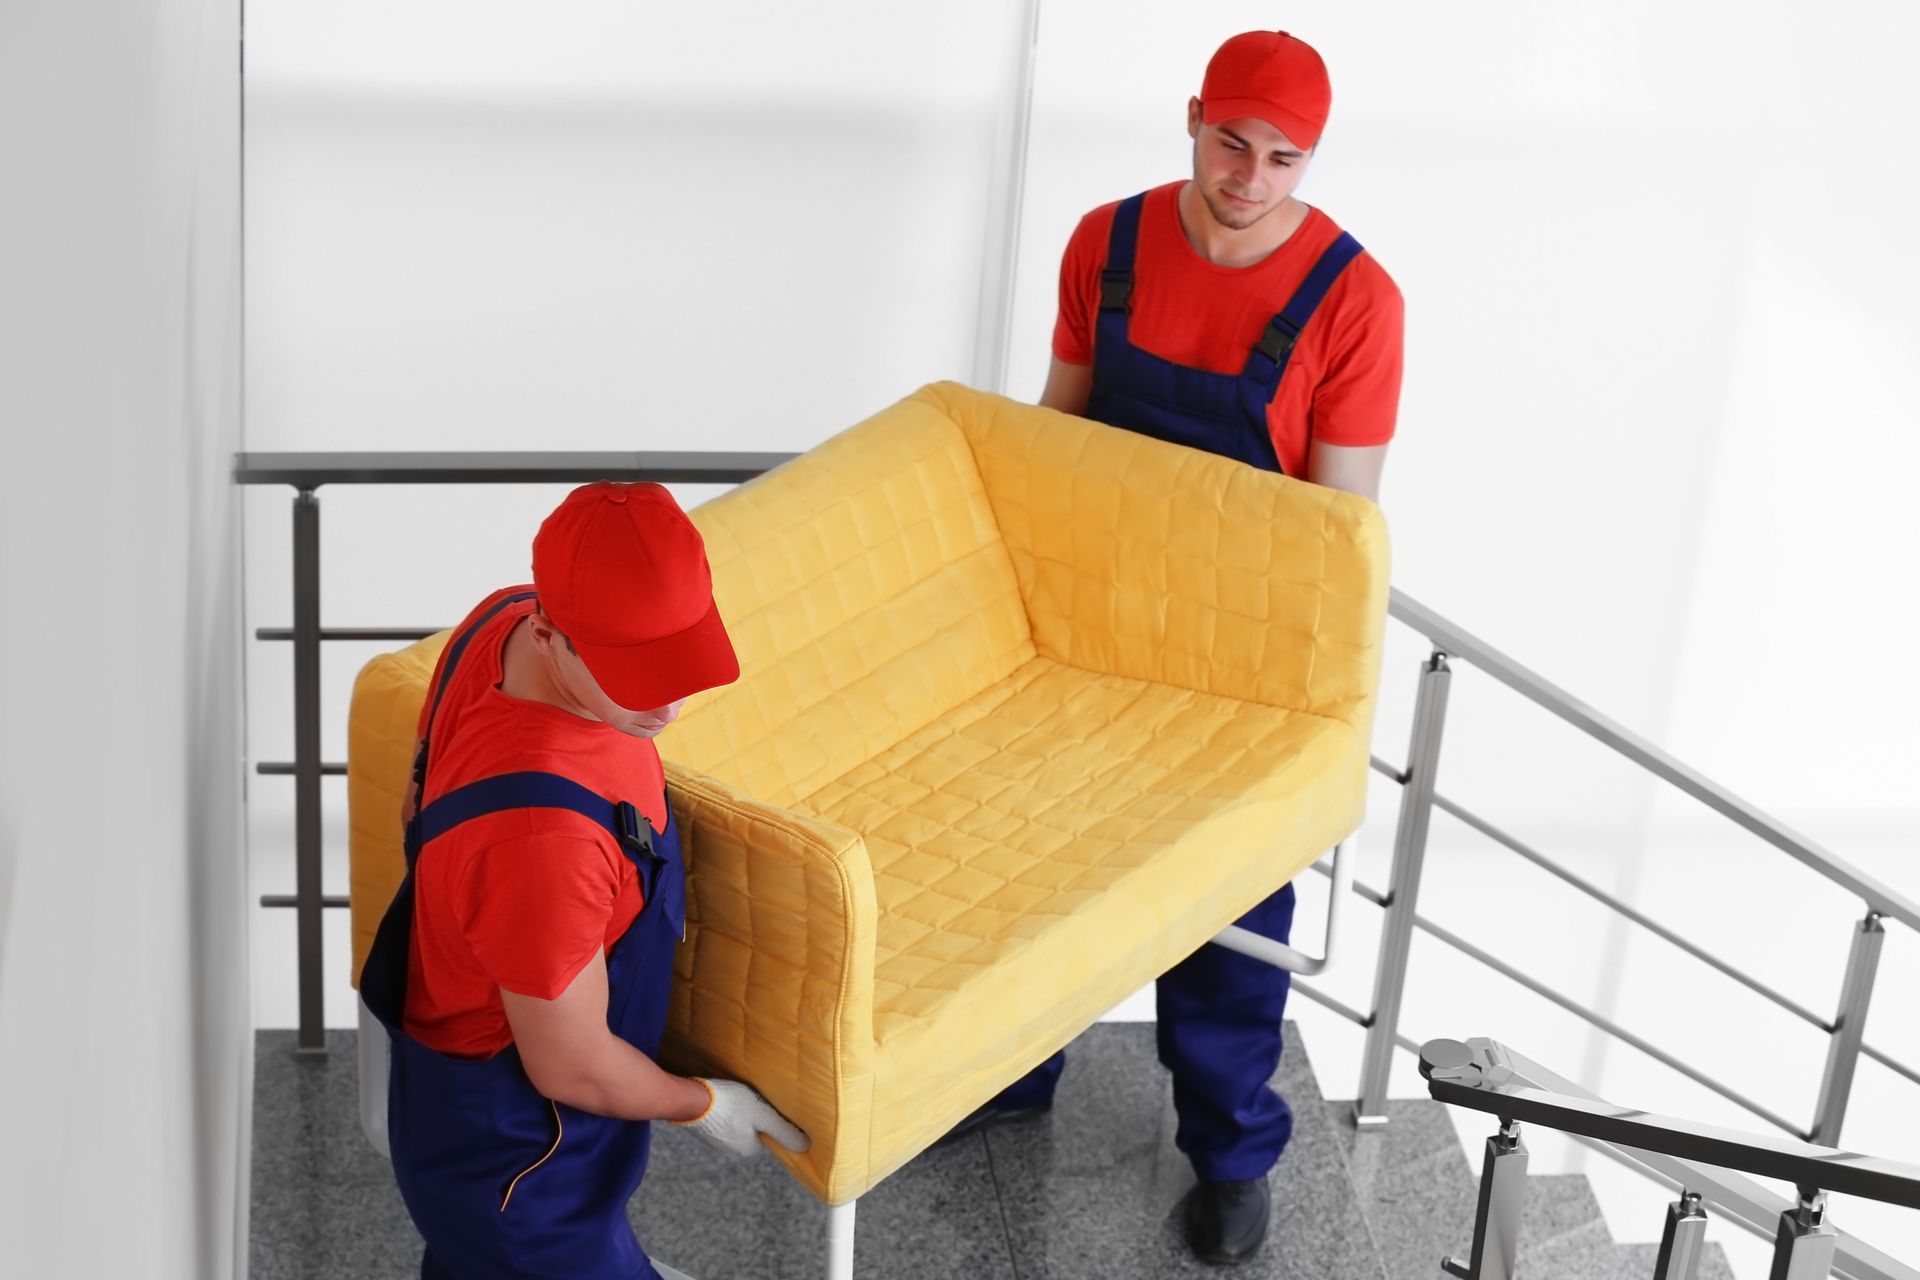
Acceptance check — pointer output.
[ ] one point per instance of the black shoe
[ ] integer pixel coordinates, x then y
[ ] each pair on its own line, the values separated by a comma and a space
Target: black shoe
1227, 1221
991, 1117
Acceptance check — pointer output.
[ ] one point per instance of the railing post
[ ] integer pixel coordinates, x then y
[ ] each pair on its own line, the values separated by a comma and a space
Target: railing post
1683, 1241
1496, 1226
1803, 1248
1403, 890
306, 768
1849, 1028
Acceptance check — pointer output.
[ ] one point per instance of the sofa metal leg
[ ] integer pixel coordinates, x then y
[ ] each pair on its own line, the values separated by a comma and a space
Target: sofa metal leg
1282, 956
373, 1079
840, 1241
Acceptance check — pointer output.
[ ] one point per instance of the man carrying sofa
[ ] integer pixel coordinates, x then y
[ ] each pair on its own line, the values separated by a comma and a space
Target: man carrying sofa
522, 970
1224, 314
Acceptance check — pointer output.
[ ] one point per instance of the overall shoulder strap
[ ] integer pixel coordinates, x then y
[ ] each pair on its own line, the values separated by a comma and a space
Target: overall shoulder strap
534, 789
1116, 279
1276, 344
456, 648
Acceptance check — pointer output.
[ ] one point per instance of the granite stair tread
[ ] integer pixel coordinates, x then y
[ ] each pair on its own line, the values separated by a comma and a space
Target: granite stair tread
1092, 1189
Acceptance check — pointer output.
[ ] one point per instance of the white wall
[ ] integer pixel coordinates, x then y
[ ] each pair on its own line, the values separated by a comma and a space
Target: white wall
124, 1037
1661, 398
739, 226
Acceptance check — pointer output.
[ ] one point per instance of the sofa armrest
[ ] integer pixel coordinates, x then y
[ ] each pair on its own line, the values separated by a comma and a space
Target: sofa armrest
1149, 560
774, 983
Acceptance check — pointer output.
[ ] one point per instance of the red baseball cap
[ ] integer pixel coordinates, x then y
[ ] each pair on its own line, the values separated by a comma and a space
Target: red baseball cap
623, 574
1271, 76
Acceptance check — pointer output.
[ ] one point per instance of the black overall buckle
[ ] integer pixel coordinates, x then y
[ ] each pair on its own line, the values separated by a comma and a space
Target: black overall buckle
1116, 290
1278, 340
635, 832
636, 835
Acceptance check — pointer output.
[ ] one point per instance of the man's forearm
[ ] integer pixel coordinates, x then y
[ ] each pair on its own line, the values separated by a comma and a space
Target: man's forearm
616, 1079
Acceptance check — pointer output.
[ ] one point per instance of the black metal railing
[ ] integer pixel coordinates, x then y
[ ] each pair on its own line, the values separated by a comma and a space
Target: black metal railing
1484, 1075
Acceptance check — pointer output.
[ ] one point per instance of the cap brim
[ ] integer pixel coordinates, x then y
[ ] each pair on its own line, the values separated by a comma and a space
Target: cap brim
657, 673
1300, 132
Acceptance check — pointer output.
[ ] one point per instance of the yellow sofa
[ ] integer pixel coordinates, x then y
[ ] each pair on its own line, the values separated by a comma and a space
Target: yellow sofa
1029, 709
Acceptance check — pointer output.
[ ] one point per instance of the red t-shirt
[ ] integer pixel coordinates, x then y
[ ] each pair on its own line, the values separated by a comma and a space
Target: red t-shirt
1342, 385
520, 899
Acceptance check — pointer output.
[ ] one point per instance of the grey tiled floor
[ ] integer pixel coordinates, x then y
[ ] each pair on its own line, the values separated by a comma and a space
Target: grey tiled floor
1091, 1190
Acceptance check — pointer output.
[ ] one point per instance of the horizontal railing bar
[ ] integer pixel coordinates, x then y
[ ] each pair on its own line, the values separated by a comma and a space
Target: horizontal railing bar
1899, 1068
1320, 997
1382, 767
290, 900
311, 470
1606, 1024
1529, 684
353, 633
1846, 1172
1600, 895
1494, 1079
287, 769
1371, 895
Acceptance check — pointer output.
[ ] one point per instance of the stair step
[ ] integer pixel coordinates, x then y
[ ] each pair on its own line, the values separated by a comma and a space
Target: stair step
1096, 1187
1558, 1205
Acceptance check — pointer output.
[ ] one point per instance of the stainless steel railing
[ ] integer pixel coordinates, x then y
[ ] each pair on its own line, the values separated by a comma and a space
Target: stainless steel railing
307, 472
1708, 1164
1845, 1030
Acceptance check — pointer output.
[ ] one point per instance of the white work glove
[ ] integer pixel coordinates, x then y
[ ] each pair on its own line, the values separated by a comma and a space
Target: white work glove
736, 1118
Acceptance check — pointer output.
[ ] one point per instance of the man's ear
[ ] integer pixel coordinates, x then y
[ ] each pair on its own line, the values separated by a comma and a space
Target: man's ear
546, 636
1193, 118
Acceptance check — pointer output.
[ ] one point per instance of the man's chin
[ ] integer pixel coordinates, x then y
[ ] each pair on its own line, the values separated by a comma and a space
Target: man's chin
1233, 216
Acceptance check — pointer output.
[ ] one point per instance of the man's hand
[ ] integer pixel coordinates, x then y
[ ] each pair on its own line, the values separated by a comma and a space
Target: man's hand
738, 1116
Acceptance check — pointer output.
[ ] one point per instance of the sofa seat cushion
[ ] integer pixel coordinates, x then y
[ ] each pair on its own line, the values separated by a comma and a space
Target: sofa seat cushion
1035, 857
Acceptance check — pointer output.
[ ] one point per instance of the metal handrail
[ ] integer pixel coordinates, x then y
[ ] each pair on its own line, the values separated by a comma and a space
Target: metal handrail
1846, 1044
1363, 890
1745, 1203
1456, 641
1484, 1075
1898, 1068
1611, 1027
1638, 917
1707, 1164
665, 466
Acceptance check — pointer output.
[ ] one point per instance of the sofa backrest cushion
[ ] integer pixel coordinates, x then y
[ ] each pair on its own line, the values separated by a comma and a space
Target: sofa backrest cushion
867, 592
1158, 562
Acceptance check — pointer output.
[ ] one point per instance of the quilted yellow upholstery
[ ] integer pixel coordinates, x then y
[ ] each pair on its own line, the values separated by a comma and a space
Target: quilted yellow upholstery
1029, 708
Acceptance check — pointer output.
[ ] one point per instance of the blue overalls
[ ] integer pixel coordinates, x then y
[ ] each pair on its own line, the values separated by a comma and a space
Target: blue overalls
1219, 1012
502, 1182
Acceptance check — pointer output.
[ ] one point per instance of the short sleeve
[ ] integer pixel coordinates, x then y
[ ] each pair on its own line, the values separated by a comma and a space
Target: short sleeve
1358, 401
535, 909
1079, 285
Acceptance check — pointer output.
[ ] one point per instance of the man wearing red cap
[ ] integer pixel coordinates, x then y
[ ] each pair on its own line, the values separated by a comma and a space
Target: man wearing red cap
522, 970
1221, 313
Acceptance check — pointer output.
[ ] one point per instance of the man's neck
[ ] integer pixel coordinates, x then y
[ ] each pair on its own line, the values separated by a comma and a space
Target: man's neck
524, 676
1225, 247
